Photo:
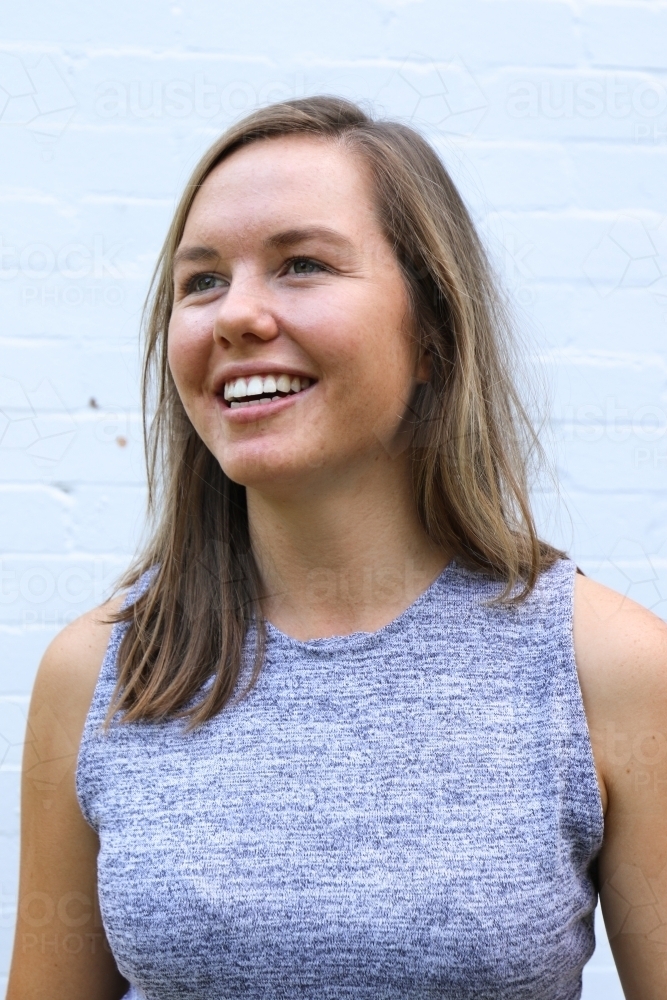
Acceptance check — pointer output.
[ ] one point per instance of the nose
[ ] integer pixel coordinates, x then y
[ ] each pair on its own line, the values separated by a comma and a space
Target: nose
244, 317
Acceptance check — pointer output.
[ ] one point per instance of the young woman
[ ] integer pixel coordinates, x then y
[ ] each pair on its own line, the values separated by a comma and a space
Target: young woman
356, 731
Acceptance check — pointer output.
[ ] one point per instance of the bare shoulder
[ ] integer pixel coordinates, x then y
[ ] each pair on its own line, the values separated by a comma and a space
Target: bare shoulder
58, 848
70, 667
618, 643
621, 654
84, 638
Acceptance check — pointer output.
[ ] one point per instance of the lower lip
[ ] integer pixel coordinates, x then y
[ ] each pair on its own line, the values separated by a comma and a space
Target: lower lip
248, 414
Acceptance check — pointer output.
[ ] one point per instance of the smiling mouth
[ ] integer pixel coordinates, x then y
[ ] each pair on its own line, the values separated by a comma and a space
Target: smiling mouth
262, 389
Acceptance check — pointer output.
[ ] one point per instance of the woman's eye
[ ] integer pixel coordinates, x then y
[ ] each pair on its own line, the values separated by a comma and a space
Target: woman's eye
303, 265
203, 282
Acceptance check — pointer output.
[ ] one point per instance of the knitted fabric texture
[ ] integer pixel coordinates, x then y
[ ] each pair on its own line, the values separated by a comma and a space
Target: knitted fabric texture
409, 813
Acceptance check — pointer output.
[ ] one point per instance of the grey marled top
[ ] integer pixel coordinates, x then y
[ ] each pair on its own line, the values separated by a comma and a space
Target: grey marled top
408, 813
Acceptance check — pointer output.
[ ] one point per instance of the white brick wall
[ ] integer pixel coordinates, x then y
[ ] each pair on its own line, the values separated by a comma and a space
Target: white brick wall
552, 117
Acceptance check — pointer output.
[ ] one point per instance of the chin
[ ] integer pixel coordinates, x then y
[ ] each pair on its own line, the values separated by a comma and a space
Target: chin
269, 470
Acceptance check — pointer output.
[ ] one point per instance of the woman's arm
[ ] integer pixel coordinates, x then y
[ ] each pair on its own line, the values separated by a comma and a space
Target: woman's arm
621, 652
60, 949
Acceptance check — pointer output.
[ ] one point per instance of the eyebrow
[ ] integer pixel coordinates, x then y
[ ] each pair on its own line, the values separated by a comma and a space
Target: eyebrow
292, 236
287, 238
194, 255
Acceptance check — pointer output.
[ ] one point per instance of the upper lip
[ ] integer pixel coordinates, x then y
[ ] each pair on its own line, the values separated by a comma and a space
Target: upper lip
266, 368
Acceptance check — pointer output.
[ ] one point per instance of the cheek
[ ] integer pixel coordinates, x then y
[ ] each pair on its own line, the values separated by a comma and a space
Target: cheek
187, 355
366, 335
386, 360
372, 384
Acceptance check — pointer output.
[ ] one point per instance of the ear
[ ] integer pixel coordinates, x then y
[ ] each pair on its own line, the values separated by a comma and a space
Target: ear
424, 367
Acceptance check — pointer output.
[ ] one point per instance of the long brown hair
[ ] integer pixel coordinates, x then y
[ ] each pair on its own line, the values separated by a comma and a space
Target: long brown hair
471, 436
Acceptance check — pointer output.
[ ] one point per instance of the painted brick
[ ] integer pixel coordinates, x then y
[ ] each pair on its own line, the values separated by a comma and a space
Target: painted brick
521, 31
21, 649
64, 375
64, 448
616, 459
605, 251
550, 118
33, 519
591, 524
39, 591
585, 104
633, 178
521, 176
107, 518
621, 319
630, 35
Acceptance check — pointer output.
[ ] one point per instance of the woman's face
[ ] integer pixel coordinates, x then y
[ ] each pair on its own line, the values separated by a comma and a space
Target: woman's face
289, 341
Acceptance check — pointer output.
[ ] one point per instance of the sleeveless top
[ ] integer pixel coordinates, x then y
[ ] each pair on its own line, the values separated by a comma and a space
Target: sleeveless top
412, 812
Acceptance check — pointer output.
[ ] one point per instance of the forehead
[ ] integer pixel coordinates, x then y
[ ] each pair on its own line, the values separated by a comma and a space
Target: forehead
283, 182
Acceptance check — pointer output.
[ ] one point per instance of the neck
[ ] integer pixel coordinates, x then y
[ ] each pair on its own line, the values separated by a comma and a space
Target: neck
345, 557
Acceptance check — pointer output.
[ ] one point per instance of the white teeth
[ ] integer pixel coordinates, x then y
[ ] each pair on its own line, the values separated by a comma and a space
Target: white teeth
236, 390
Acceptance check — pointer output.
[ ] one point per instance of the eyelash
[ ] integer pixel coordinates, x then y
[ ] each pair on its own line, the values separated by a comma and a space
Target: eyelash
306, 260
189, 285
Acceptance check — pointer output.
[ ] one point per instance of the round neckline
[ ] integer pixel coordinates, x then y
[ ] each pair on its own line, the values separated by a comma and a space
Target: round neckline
356, 640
